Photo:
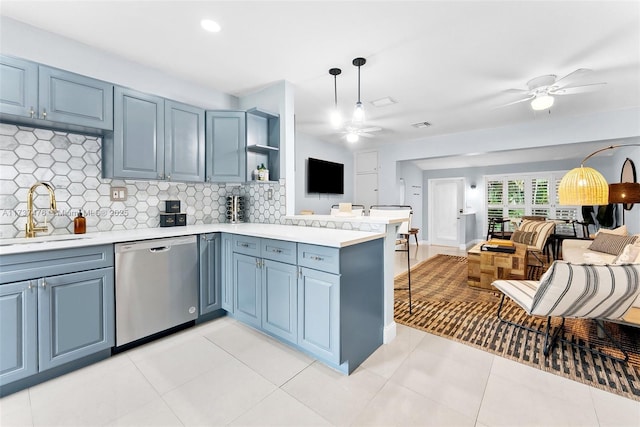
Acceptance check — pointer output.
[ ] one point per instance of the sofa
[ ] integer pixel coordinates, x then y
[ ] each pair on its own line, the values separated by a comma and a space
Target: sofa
602, 251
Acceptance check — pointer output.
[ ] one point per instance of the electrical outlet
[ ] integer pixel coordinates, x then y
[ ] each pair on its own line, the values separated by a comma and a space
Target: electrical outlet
118, 194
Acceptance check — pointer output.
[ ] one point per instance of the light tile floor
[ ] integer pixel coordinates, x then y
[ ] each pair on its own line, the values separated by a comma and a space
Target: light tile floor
224, 373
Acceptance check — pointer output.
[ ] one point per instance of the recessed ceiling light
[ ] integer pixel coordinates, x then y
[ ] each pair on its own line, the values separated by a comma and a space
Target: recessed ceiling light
421, 125
210, 25
383, 102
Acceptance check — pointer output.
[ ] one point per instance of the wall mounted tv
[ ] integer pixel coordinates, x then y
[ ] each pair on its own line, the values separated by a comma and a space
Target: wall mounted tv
325, 177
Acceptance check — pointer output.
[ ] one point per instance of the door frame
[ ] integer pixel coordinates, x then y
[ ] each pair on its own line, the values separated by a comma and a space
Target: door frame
460, 181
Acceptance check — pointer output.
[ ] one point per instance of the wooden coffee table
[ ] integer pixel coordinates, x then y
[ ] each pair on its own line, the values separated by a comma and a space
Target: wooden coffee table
484, 266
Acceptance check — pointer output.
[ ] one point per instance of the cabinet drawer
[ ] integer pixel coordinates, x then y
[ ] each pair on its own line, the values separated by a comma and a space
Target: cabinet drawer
278, 250
246, 245
319, 257
34, 265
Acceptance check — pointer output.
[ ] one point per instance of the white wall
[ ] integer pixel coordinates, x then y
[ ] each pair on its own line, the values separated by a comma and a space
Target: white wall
24, 41
307, 146
413, 193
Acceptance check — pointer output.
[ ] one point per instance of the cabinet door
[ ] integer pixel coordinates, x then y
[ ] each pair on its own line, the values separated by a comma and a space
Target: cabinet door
209, 273
226, 144
138, 135
319, 314
74, 99
184, 155
247, 290
280, 299
18, 87
18, 332
226, 271
75, 316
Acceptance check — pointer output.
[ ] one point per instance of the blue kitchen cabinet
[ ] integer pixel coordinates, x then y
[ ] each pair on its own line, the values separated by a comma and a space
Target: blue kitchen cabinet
247, 298
56, 313
280, 299
226, 146
135, 150
210, 290
184, 156
44, 96
75, 316
226, 271
18, 331
18, 87
319, 314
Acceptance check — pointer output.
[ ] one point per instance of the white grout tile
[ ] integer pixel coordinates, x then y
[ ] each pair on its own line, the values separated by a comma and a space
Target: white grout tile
336, 397
509, 403
615, 411
218, 396
457, 384
271, 359
388, 357
280, 409
15, 410
181, 362
395, 405
93, 395
156, 413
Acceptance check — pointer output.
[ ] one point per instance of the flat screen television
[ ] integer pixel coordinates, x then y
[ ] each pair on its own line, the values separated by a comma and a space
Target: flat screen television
325, 177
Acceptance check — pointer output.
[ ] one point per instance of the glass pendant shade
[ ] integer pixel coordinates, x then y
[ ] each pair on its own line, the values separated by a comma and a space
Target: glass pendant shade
336, 119
542, 102
583, 186
358, 113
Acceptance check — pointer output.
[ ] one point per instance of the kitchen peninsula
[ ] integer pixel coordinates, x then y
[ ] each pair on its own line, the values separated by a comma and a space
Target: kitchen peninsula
318, 290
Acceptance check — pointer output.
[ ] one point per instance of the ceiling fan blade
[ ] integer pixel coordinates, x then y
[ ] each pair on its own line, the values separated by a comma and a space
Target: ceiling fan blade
366, 135
528, 98
569, 90
371, 129
518, 91
573, 74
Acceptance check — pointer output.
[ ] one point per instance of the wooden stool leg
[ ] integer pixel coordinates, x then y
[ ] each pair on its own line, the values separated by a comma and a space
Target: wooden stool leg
415, 235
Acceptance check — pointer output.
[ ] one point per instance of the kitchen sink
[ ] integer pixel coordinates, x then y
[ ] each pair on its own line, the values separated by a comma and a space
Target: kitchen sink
42, 239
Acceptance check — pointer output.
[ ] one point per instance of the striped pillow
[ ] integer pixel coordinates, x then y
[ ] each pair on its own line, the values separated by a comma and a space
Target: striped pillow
583, 290
611, 243
524, 237
542, 228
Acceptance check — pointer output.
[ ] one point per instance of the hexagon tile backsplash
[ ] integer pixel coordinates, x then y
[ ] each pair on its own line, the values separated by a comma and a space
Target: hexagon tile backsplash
72, 164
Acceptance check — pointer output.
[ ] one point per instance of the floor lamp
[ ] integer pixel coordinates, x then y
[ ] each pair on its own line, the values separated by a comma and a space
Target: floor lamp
625, 193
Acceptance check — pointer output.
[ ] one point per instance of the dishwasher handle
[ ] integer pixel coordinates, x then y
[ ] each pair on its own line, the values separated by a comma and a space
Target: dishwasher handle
160, 249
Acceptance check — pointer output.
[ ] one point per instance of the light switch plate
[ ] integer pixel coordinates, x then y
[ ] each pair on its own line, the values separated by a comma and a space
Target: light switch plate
118, 194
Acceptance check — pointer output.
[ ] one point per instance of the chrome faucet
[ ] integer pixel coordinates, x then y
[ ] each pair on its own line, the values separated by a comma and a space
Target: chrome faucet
31, 228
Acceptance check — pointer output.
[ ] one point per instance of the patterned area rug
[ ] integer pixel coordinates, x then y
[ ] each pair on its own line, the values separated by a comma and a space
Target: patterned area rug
444, 305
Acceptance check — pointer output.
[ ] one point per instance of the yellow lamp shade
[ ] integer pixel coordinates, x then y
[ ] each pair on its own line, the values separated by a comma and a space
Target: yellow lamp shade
583, 186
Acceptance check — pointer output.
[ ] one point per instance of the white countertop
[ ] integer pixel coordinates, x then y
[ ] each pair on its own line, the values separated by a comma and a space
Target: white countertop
312, 235
348, 218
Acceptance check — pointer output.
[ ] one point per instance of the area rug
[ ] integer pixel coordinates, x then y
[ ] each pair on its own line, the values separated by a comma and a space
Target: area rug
444, 305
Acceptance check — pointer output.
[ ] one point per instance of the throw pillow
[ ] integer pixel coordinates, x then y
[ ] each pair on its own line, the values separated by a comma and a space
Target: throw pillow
620, 231
611, 243
628, 256
525, 237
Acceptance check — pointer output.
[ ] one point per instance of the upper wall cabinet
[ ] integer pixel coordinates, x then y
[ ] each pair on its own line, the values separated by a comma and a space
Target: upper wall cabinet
226, 142
44, 96
154, 138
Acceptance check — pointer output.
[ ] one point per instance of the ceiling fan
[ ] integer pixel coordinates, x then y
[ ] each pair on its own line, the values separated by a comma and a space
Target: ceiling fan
353, 133
541, 90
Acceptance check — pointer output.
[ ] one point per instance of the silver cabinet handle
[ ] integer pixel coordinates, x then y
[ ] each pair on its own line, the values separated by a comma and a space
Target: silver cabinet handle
44, 283
32, 112
30, 287
44, 113
317, 258
169, 176
244, 245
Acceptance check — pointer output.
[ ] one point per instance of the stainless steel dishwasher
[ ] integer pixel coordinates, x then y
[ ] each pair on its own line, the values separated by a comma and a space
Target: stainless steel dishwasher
156, 286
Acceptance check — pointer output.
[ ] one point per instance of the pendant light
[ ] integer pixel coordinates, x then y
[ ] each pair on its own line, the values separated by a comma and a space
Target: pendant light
358, 113
336, 117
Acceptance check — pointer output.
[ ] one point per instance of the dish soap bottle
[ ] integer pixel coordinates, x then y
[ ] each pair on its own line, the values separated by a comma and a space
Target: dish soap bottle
79, 224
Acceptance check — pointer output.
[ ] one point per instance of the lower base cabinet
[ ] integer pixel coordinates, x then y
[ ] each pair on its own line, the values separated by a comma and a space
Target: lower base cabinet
53, 320
209, 249
325, 301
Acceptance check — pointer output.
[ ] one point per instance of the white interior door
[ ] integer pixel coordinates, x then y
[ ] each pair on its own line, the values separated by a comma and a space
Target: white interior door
445, 202
366, 189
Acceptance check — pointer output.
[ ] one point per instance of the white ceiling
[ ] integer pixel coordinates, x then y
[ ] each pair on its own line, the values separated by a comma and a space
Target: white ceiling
446, 62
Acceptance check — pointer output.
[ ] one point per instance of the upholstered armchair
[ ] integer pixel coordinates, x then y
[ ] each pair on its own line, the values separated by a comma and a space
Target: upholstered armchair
535, 234
598, 292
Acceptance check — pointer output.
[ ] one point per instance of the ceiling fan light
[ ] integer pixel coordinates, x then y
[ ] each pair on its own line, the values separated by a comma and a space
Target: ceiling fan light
352, 137
358, 113
543, 102
210, 25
